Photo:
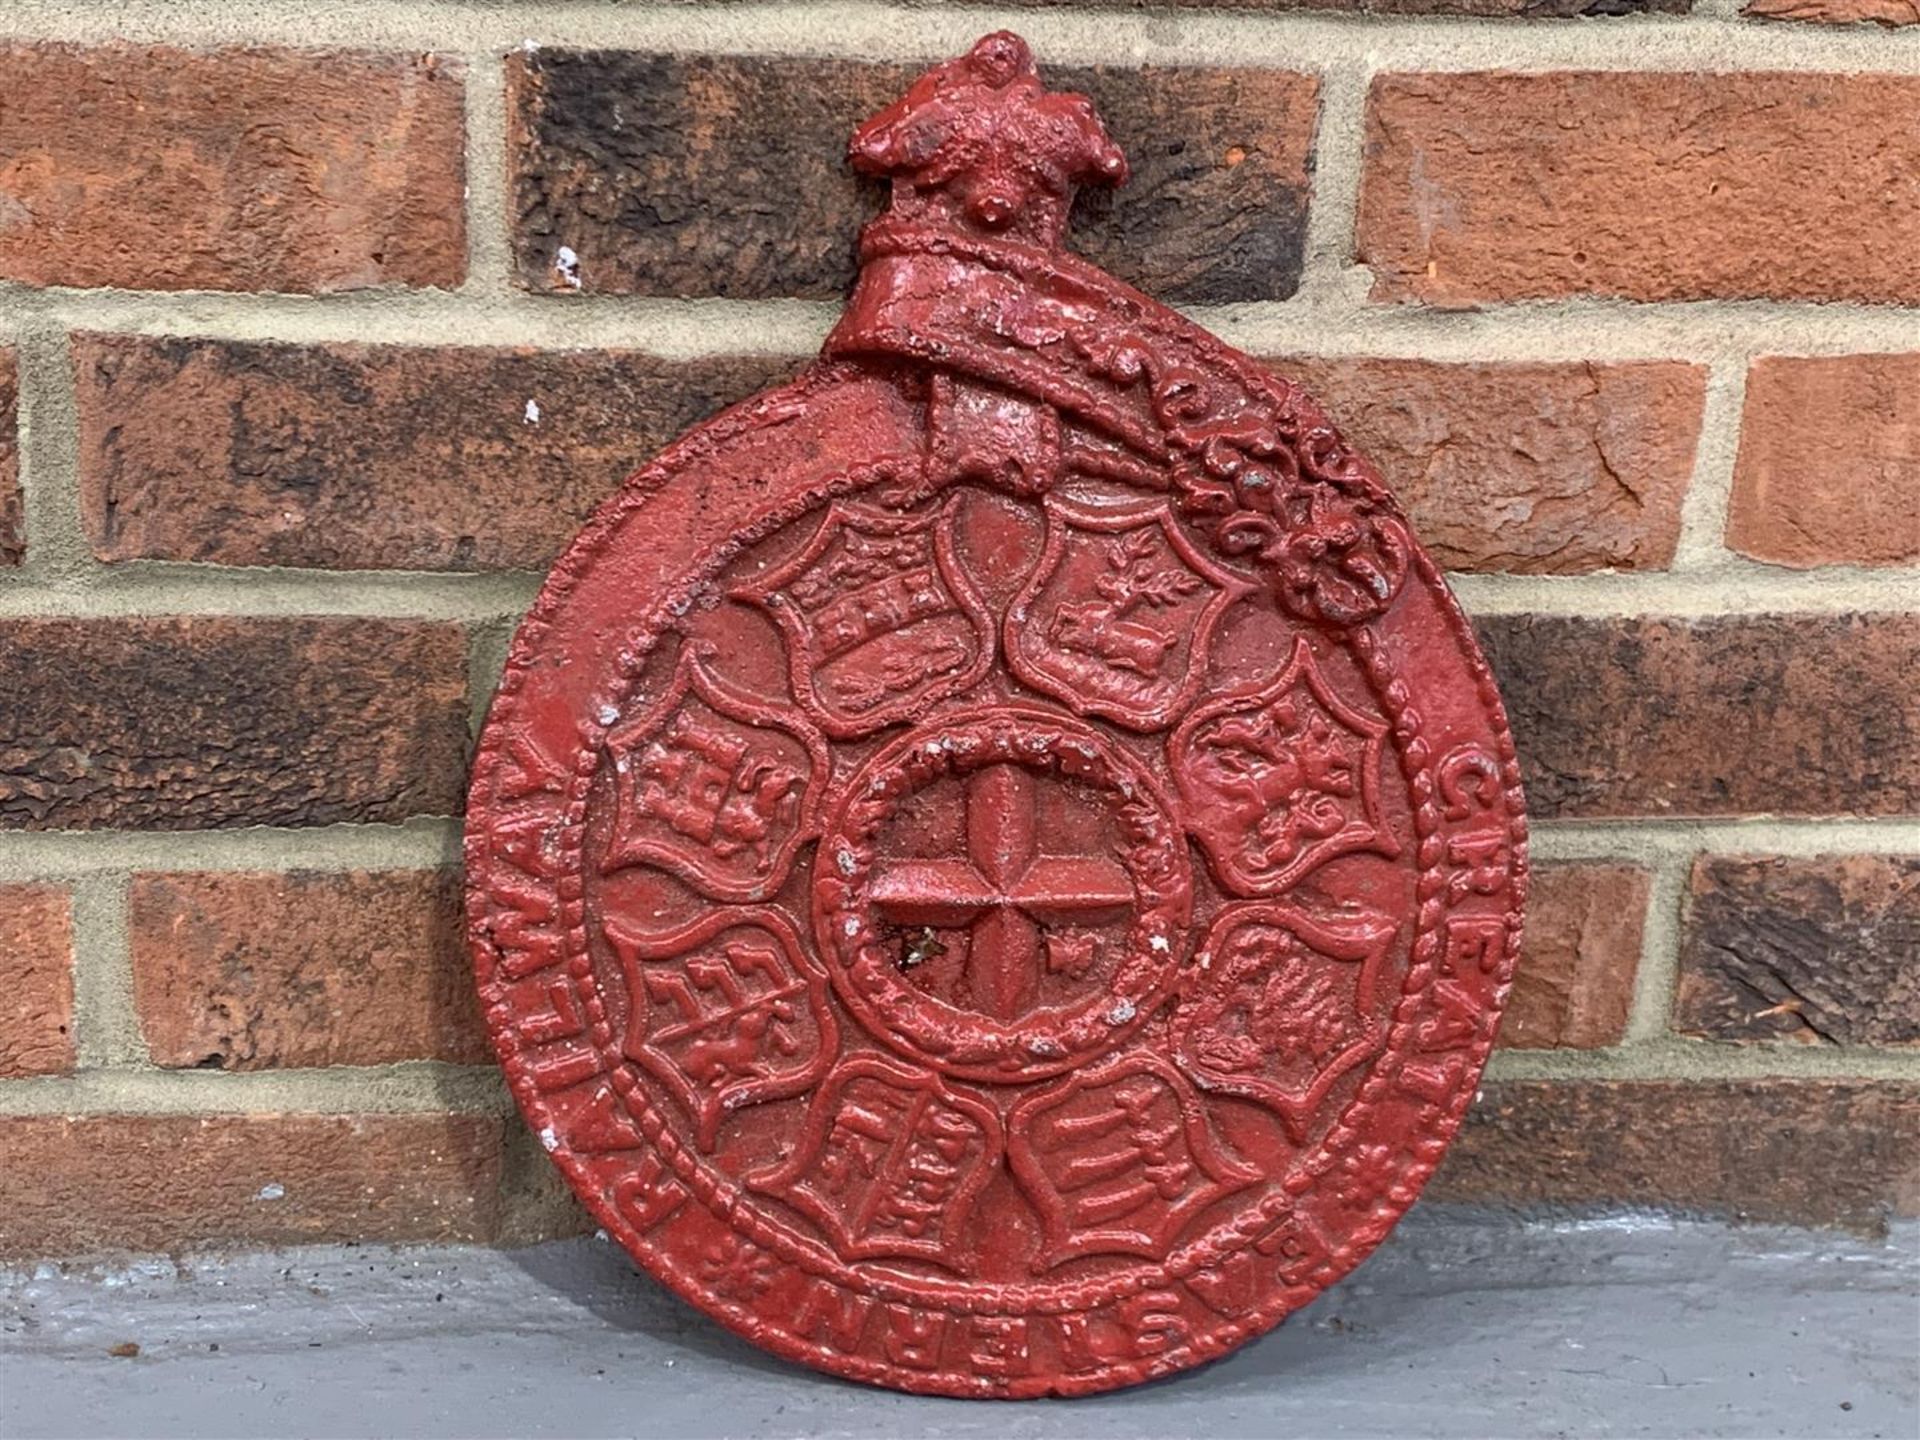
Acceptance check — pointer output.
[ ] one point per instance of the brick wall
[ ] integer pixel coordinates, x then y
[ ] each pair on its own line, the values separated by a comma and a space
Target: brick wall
322, 327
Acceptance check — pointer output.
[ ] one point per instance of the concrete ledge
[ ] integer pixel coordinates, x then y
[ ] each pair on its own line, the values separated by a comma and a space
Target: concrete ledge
1465, 1324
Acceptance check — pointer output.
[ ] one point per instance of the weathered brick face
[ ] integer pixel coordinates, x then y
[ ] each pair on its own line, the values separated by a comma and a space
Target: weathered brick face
1494, 186
1477, 9
1634, 347
271, 971
1529, 468
371, 457
214, 721
1743, 715
1889, 13
1835, 1152
724, 176
1829, 464
36, 980
1818, 951
82, 1185
1216, 209
1575, 984
242, 169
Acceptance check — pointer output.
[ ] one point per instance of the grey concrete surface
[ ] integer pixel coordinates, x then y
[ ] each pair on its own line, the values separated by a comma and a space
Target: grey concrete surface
1463, 1325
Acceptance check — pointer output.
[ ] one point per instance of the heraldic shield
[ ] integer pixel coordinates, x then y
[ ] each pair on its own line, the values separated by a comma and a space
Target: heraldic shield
994, 867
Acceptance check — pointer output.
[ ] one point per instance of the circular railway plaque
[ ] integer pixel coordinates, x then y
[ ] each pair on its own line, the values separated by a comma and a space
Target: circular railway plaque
994, 867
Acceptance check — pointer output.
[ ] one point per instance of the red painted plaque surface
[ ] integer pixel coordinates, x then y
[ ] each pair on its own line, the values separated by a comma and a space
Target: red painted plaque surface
994, 867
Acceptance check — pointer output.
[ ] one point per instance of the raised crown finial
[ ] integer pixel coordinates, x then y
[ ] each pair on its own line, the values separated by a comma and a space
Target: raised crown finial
980, 144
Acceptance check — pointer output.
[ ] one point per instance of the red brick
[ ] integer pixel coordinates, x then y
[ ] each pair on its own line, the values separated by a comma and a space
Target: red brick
204, 722
1222, 164
1574, 987
13, 523
1498, 186
1533, 468
89, 1185
36, 980
371, 457
724, 175
1735, 715
1890, 13
258, 169
271, 971
1829, 465
1816, 1152
1820, 951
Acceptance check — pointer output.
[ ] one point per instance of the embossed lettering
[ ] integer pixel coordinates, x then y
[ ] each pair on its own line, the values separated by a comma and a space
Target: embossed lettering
1457, 1025
997, 1345
564, 1070
833, 1315
526, 944
647, 1195
563, 1021
601, 1126
912, 1337
1475, 944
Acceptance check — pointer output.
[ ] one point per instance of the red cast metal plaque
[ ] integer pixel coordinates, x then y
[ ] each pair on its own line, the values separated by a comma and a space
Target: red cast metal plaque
994, 867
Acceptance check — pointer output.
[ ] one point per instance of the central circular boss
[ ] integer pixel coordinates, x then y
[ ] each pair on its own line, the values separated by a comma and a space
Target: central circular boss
1002, 894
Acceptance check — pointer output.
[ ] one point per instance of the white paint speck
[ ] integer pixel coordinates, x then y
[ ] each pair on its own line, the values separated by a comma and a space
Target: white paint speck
1121, 1012
844, 859
1159, 943
548, 1138
852, 927
567, 265
608, 714
273, 1190
533, 411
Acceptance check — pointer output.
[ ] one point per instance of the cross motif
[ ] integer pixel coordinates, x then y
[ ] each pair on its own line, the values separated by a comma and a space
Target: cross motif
1003, 891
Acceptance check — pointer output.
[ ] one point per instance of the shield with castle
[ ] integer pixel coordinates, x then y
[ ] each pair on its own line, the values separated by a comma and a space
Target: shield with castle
994, 867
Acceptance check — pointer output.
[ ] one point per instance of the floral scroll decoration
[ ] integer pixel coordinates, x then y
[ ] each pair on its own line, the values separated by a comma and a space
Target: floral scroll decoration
1269, 481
